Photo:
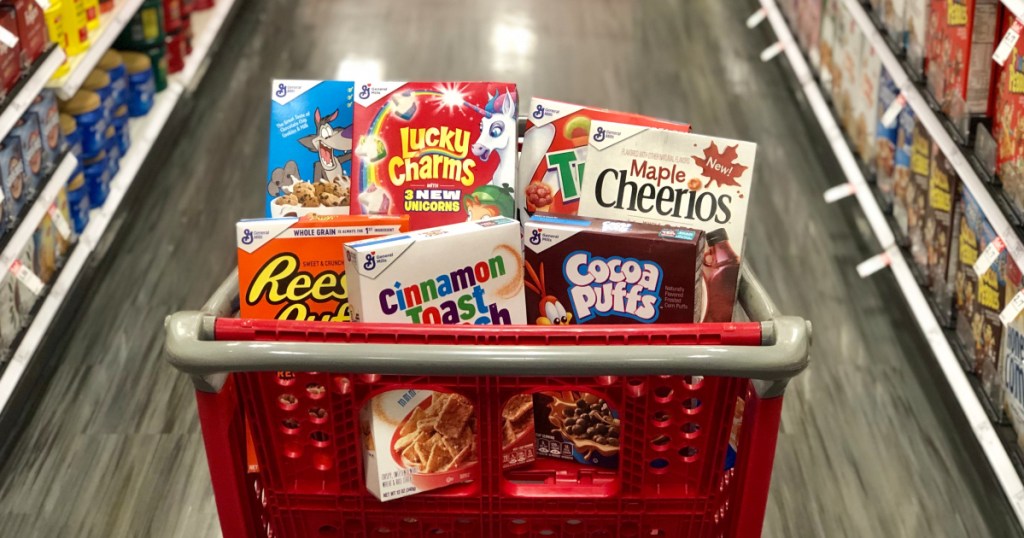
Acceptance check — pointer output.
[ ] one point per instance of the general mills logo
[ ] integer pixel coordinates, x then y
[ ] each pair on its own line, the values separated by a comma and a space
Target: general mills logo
364, 92
247, 237
282, 90
599, 135
371, 262
539, 112
535, 237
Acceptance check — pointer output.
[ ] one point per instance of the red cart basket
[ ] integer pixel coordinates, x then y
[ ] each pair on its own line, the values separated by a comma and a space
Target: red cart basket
295, 391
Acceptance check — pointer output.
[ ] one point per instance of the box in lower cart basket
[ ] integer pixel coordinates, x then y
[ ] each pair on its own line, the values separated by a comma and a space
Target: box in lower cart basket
418, 440
466, 273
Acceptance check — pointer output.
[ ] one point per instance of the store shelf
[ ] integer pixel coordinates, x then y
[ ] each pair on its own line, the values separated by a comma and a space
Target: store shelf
100, 41
28, 224
18, 103
981, 426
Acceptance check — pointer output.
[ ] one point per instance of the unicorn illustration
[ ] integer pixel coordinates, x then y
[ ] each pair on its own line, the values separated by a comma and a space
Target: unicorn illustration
497, 131
324, 143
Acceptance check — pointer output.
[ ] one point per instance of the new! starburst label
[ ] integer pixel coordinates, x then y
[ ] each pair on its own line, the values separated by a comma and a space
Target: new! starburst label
652, 175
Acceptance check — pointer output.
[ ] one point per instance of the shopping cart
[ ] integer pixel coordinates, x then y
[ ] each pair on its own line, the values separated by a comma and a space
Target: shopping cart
295, 390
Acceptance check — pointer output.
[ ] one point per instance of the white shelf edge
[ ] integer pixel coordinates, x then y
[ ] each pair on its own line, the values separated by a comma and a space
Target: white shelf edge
210, 22
27, 227
1015, 6
972, 408
100, 41
18, 104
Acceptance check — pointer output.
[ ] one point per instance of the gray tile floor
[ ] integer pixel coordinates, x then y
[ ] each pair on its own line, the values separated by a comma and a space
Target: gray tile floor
866, 447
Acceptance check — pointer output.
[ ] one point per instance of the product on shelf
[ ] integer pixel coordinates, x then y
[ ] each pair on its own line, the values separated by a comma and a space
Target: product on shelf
87, 109
10, 320
113, 151
915, 200
113, 64
902, 173
1008, 125
98, 82
292, 268
57, 31
141, 84
439, 152
643, 174
13, 176
577, 426
848, 53
106, 6
895, 22
10, 57
53, 239
1011, 356
418, 440
887, 136
979, 300
828, 39
78, 200
145, 29
97, 177
941, 232
961, 59
30, 135
44, 107
158, 57
25, 295
92, 14
33, 37
554, 152
122, 131
310, 148
172, 15
69, 130
464, 273
601, 271
177, 51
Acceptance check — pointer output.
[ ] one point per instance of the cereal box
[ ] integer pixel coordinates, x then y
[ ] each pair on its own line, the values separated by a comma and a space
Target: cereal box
592, 270
979, 300
966, 65
901, 185
44, 106
916, 24
439, 152
827, 41
916, 198
518, 442
294, 268
846, 78
310, 148
940, 232
418, 440
864, 121
1008, 125
642, 174
886, 136
53, 238
555, 152
577, 426
1011, 353
808, 26
465, 273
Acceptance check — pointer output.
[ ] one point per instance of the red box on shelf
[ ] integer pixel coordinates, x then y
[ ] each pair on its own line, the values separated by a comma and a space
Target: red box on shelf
33, 37
10, 57
1008, 124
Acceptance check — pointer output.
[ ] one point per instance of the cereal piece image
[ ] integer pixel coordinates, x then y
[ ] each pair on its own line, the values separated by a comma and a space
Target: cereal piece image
517, 407
438, 460
454, 415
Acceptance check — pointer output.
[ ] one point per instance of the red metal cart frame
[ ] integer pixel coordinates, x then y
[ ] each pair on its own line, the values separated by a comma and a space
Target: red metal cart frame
677, 388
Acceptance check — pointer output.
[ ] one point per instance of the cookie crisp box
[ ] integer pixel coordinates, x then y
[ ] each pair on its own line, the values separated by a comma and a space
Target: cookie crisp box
466, 273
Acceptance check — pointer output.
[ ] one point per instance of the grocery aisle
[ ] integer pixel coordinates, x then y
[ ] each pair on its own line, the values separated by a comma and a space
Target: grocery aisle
866, 447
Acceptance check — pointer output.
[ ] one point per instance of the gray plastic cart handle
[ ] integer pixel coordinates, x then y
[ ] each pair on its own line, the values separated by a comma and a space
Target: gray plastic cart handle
784, 352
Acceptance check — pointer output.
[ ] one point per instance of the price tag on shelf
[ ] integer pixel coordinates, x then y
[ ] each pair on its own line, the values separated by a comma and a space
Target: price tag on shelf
8, 38
1012, 309
757, 18
893, 112
59, 222
26, 277
873, 265
988, 256
772, 51
839, 192
1009, 41
45, 4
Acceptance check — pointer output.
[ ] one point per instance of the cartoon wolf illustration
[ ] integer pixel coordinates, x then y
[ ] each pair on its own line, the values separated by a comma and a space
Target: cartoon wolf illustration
329, 185
325, 143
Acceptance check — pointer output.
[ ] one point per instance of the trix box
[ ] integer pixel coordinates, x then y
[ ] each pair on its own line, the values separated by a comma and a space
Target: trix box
440, 152
643, 174
294, 268
602, 271
310, 148
554, 152
465, 273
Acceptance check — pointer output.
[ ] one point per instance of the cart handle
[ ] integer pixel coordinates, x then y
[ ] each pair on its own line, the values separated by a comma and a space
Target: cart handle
784, 352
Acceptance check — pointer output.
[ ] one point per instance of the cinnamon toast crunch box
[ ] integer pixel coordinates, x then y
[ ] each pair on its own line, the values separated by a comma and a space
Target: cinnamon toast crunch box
294, 268
555, 152
439, 152
465, 273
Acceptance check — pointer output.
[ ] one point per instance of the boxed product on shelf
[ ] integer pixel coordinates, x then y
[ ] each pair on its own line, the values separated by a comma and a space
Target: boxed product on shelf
439, 152
979, 299
937, 51
1011, 355
44, 106
418, 440
53, 239
962, 55
13, 177
864, 120
902, 174
577, 426
582, 270
941, 232
808, 26
643, 174
1008, 124
464, 273
33, 36
886, 138
554, 153
10, 57
294, 268
915, 201
848, 53
310, 148
894, 20
28, 131
518, 439
10, 319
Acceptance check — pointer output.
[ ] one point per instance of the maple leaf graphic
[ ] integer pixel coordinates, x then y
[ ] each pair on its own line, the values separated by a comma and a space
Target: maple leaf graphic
720, 167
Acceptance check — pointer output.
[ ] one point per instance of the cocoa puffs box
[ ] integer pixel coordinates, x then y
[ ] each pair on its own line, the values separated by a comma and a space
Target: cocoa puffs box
581, 270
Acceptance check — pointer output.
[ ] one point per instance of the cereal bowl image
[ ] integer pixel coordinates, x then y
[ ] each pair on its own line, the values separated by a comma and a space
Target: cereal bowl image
437, 441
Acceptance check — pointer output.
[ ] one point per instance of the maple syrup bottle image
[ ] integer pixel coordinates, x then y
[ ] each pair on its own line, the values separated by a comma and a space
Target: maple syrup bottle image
721, 275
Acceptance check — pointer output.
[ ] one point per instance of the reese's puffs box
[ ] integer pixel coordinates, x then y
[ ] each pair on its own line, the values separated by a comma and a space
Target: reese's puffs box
294, 268
555, 151
440, 152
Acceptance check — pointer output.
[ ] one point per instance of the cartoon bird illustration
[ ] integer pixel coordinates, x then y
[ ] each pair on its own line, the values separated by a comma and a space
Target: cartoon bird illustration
552, 311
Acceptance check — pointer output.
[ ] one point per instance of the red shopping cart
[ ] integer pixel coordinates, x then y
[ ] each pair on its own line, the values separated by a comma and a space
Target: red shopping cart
295, 389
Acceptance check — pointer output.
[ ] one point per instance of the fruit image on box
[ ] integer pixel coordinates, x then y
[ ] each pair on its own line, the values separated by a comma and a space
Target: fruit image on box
294, 268
642, 174
416, 441
310, 148
592, 270
555, 152
440, 152
465, 273
577, 426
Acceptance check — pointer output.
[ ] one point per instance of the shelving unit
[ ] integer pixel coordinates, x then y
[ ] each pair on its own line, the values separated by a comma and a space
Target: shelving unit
100, 41
144, 133
973, 409
18, 103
